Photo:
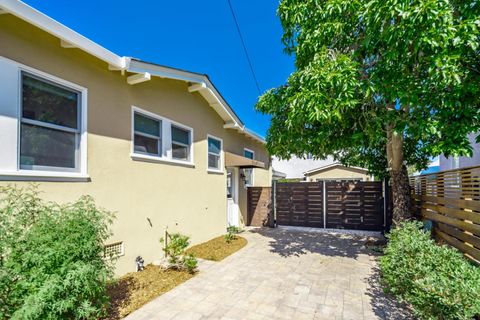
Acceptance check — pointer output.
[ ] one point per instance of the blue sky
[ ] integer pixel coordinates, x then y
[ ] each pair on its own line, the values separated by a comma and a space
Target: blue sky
198, 36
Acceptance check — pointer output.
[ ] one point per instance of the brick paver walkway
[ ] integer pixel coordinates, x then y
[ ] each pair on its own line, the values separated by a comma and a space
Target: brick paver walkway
283, 274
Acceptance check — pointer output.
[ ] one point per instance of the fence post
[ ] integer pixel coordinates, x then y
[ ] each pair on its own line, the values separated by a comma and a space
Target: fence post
384, 184
324, 205
274, 196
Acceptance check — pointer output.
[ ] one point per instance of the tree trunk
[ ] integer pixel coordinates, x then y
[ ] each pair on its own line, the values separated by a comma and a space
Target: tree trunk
399, 176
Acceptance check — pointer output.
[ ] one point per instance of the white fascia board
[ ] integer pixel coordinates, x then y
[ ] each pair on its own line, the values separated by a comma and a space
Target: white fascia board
42, 21
254, 135
332, 165
231, 125
199, 83
136, 66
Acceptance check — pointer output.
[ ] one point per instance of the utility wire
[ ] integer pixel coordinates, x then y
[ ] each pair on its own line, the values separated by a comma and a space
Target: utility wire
244, 47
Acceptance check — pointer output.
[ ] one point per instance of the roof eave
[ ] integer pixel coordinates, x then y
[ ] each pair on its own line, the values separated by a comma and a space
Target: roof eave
74, 39
71, 39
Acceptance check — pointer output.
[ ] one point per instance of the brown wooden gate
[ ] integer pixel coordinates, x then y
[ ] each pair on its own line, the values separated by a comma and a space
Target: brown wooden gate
300, 204
355, 205
348, 205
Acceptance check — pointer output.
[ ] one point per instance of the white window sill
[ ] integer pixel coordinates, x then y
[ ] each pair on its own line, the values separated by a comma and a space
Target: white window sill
27, 175
217, 171
147, 158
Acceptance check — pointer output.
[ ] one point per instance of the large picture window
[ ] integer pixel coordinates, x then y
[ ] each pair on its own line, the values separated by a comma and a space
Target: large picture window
214, 153
50, 125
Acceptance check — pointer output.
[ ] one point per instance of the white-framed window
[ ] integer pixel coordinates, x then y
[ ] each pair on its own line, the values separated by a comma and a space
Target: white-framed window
181, 143
248, 172
156, 138
147, 134
250, 154
42, 125
214, 153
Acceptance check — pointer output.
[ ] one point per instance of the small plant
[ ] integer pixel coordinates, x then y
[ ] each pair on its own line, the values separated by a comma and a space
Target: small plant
437, 281
233, 229
229, 237
175, 251
190, 262
231, 233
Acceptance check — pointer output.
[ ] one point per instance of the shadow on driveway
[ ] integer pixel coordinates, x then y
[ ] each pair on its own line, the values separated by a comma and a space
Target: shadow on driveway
292, 242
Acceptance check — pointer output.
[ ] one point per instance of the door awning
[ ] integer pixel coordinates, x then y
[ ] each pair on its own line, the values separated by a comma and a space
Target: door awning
235, 160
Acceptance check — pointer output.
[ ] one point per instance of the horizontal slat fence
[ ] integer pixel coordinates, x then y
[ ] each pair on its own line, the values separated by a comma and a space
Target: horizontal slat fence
300, 204
331, 204
259, 206
451, 199
355, 205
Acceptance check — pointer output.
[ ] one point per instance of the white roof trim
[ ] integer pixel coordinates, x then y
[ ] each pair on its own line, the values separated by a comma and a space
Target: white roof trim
44, 22
280, 174
332, 165
72, 39
137, 66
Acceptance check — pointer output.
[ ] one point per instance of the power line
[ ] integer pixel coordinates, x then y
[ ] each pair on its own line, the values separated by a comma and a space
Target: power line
244, 47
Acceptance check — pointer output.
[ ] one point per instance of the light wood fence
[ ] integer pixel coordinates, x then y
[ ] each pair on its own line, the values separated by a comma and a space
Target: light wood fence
451, 200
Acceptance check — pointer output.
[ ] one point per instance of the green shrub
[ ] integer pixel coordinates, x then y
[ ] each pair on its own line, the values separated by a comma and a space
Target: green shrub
231, 233
437, 281
190, 262
175, 251
52, 264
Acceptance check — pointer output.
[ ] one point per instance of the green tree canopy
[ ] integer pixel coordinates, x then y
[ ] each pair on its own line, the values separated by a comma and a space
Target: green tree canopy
383, 84
369, 70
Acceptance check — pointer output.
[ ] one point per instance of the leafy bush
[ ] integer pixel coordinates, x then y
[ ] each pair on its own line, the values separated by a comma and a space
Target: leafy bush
52, 264
190, 262
436, 280
175, 251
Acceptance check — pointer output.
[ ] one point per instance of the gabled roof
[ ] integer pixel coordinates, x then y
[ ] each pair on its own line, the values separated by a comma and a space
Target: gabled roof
279, 174
143, 70
332, 166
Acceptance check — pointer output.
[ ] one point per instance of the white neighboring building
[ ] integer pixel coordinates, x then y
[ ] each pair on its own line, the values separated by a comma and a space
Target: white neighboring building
295, 167
462, 162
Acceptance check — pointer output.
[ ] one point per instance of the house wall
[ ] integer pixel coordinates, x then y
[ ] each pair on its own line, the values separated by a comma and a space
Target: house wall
474, 160
339, 173
295, 167
145, 196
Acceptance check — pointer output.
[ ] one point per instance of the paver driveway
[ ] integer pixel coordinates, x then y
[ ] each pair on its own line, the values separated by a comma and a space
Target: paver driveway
283, 274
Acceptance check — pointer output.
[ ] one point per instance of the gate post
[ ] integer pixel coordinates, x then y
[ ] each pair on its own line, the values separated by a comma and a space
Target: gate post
274, 199
324, 205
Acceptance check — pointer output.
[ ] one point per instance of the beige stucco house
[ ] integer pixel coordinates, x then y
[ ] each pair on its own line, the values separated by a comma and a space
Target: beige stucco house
158, 146
337, 172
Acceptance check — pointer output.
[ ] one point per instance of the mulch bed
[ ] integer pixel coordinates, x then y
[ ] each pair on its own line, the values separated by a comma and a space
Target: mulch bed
135, 289
217, 249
